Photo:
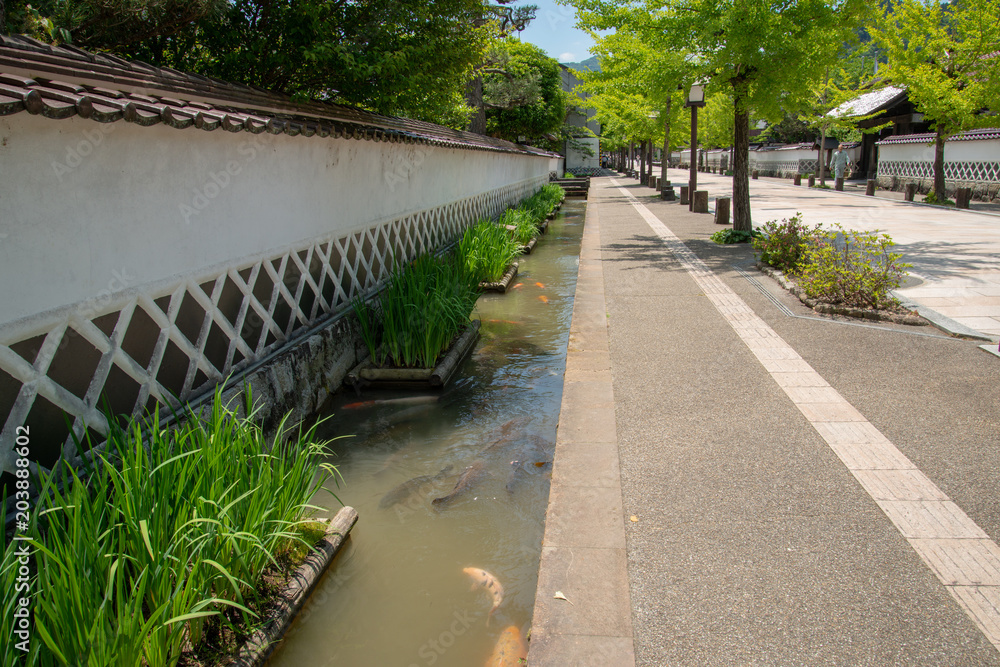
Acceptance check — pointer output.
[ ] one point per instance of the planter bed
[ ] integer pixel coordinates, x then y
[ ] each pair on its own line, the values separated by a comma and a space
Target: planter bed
902, 316
367, 373
298, 587
531, 245
502, 284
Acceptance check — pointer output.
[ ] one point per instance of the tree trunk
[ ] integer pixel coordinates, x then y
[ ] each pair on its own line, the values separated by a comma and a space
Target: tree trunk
741, 166
665, 158
939, 191
3, 19
819, 156
649, 160
474, 98
642, 161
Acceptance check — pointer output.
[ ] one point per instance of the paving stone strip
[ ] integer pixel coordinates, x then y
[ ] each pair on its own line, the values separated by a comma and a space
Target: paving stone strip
956, 550
583, 550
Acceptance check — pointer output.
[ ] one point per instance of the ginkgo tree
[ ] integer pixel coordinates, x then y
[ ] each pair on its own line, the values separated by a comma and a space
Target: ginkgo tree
638, 86
761, 52
947, 56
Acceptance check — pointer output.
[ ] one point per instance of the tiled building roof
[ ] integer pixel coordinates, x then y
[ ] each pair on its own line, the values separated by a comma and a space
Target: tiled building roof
869, 103
63, 81
986, 134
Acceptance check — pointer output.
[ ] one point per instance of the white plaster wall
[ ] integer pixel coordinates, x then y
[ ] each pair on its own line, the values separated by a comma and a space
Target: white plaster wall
954, 151
87, 208
576, 158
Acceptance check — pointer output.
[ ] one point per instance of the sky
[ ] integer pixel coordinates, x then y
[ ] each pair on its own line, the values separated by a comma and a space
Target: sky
554, 31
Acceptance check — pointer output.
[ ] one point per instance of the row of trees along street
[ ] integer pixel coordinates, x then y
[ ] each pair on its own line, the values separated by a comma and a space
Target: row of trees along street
788, 63
457, 63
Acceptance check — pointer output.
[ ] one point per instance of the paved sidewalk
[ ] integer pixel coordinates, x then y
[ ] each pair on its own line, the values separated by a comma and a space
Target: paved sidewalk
955, 254
805, 490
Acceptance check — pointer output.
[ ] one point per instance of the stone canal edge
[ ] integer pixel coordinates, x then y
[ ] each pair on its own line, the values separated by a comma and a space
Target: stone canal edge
583, 549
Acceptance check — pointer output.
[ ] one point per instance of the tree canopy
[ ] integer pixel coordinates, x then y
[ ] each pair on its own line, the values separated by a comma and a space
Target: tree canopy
399, 57
947, 58
522, 92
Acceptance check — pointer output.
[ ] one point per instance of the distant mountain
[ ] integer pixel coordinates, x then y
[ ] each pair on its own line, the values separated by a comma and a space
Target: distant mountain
589, 65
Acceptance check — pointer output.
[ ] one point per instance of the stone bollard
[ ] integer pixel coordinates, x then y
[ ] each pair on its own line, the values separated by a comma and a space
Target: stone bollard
962, 197
700, 204
684, 194
654, 182
812, 181
722, 210
839, 184
909, 191
755, 174
870, 189
667, 192
797, 180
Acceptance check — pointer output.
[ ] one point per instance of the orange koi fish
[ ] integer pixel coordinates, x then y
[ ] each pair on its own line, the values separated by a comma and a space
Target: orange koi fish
510, 650
543, 299
540, 285
518, 286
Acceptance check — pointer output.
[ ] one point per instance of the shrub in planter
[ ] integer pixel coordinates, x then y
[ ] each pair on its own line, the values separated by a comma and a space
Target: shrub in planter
782, 244
728, 236
851, 268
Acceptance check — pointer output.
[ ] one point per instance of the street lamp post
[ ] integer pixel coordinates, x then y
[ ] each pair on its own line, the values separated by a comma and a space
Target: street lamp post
695, 99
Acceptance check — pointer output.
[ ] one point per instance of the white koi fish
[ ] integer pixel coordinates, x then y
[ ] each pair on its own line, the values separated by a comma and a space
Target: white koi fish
483, 579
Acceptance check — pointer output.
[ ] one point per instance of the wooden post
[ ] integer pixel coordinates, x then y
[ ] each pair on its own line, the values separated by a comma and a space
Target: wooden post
909, 191
722, 210
812, 180
870, 190
798, 179
700, 201
962, 197
839, 184
684, 194
755, 174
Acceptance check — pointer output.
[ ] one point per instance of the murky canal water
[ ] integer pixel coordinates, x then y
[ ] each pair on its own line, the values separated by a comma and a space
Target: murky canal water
397, 594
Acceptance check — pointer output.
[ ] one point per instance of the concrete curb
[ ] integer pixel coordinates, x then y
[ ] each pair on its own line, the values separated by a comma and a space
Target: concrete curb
584, 556
945, 324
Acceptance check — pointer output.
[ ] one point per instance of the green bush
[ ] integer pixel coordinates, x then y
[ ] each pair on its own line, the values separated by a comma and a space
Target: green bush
524, 222
727, 236
167, 531
931, 198
851, 268
782, 244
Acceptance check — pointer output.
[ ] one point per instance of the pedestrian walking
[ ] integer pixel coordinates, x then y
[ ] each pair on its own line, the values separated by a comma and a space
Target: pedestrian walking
840, 162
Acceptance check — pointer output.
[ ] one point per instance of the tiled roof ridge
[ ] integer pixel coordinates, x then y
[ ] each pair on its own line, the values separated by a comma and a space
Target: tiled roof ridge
62, 81
980, 134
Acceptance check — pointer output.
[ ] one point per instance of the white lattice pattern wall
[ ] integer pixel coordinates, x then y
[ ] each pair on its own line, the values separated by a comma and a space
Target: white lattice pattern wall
961, 172
176, 340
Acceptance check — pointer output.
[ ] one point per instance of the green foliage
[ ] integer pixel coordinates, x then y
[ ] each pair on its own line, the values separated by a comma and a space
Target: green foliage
167, 530
398, 57
852, 268
522, 90
783, 244
488, 249
422, 308
728, 236
931, 198
568, 175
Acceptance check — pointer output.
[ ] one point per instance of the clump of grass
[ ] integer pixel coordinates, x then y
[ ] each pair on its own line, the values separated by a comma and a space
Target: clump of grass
164, 531
543, 202
524, 223
487, 250
422, 308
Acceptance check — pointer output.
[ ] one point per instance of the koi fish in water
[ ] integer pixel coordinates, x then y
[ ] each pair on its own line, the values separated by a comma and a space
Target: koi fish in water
540, 285
510, 650
483, 579
405, 400
543, 299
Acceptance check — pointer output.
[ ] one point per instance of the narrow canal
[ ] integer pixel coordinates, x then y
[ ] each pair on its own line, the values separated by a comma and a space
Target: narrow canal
397, 594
